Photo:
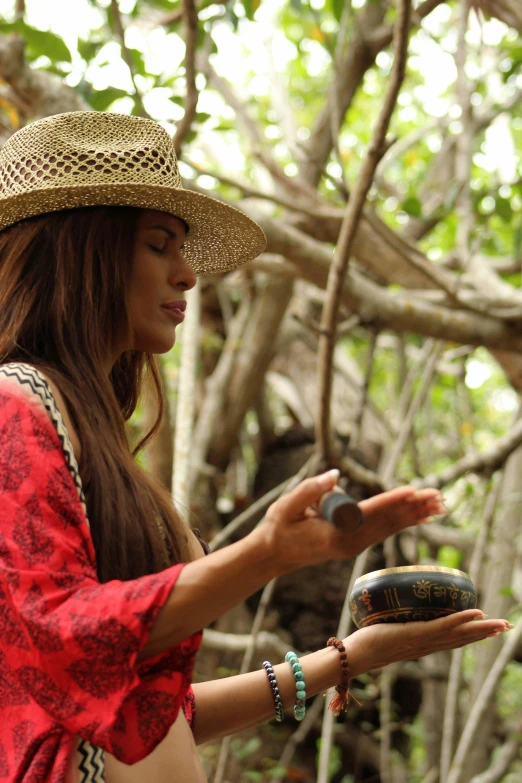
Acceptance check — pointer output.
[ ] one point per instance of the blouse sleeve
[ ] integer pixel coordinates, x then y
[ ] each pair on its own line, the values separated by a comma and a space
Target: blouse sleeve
66, 641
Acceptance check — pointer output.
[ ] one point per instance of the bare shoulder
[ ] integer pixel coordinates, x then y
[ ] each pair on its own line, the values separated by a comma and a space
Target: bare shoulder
62, 407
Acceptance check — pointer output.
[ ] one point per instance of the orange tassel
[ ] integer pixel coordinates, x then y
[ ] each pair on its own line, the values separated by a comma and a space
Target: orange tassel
339, 702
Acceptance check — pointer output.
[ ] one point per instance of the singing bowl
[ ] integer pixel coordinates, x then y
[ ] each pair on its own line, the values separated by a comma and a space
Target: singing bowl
410, 593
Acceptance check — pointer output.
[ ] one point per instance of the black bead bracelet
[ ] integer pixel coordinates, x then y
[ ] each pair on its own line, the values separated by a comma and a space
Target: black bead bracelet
275, 691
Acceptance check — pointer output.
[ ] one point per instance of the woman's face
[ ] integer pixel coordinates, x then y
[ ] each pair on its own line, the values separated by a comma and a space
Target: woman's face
160, 279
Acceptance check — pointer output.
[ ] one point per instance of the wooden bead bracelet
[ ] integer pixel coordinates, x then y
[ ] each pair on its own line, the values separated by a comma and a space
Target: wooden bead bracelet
341, 701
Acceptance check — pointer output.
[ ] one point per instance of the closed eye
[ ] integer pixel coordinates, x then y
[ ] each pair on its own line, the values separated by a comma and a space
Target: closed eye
159, 250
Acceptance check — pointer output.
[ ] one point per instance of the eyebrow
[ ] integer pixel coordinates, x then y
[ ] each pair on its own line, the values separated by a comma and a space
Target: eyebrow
168, 231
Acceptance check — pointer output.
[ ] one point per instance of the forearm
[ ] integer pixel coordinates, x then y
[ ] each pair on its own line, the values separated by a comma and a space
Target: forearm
209, 587
235, 703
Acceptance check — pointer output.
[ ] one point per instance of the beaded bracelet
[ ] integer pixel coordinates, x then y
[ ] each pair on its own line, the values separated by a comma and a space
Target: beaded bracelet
275, 691
340, 702
300, 685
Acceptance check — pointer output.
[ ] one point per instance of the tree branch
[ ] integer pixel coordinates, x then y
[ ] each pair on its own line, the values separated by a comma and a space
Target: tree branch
507, 754
353, 212
190, 19
127, 57
482, 702
238, 643
478, 463
185, 409
41, 93
343, 629
508, 11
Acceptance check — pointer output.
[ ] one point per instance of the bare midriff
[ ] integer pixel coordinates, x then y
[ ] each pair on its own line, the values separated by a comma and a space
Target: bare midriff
174, 760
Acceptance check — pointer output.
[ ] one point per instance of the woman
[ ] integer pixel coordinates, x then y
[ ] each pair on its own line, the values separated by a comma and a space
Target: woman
104, 589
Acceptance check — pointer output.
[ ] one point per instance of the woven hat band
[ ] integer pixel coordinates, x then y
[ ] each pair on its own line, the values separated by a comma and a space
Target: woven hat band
87, 148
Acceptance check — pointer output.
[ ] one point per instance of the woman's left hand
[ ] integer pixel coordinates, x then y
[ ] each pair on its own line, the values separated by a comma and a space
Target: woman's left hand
379, 645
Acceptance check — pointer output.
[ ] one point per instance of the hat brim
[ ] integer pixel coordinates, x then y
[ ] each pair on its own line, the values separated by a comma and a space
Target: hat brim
220, 237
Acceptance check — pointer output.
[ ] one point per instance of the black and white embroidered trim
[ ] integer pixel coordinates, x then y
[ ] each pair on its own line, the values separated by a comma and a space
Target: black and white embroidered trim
28, 375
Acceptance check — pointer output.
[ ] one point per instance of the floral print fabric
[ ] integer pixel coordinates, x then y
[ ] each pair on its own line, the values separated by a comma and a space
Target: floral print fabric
68, 644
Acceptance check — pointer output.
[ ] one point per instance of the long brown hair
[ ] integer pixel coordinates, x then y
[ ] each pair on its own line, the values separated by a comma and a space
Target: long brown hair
64, 279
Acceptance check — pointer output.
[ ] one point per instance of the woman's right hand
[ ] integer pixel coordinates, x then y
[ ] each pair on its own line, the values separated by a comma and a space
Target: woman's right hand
379, 645
298, 536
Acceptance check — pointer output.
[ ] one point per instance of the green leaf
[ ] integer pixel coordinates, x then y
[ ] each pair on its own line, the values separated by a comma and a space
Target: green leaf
412, 206
191, 135
39, 43
251, 7
100, 100
506, 592
138, 61
202, 116
337, 7
225, 125
449, 556
89, 49
201, 36
517, 242
164, 5
503, 209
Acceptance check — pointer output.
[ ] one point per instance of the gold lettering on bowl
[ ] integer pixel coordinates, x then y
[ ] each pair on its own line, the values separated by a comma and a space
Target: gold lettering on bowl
392, 598
366, 598
422, 589
454, 593
439, 591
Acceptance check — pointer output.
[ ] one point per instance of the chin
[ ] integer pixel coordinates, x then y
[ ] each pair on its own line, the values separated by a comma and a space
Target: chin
154, 343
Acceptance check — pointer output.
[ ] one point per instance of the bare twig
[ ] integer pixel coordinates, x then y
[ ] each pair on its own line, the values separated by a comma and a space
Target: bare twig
127, 57
432, 776
293, 185
405, 431
482, 702
19, 9
508, 11
359, 416
478, 463
507, 754
256, 627
186, 401
295, 204
239, 642
190, 20
449, 725
301, 733
388, 677
345, 622
349, 226
262, 504
216, 388
266, 597
464, 140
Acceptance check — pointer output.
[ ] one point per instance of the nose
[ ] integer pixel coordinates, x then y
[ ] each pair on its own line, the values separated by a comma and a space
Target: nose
182, 275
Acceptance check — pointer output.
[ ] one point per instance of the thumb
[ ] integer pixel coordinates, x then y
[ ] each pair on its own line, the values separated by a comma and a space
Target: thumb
307, 493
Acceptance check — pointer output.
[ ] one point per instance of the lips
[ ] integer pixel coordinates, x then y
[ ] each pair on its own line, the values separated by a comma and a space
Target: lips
176, 309
180, 304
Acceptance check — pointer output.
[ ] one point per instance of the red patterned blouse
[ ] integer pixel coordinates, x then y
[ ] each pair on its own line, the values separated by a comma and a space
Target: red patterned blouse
68, 644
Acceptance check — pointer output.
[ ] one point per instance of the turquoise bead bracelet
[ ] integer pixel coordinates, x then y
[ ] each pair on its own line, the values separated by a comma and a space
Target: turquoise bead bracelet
300, 685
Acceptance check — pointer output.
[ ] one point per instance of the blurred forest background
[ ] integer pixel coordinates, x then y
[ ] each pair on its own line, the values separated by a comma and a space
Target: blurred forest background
391, 349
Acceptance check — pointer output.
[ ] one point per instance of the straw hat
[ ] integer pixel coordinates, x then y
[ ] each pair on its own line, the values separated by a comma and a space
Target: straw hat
85, 159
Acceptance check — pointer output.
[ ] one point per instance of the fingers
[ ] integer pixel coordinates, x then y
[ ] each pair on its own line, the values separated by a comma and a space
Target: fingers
426, 503
459, 630
460, 618
307, 493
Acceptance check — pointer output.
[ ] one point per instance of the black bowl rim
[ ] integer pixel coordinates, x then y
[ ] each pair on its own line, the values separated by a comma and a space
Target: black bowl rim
415, 569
